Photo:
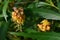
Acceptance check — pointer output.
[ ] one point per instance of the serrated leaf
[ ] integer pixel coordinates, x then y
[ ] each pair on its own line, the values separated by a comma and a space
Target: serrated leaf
39, 36
4, 9
46, 13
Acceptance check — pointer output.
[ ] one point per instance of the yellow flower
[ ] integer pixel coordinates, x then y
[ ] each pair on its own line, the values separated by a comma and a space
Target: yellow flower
18, 17
44, 26
14, 16
45, 22
48, 28
41, 27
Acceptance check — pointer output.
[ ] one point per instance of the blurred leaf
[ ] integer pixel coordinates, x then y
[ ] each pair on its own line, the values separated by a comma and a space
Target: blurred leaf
5, 8
30, 30
32, 5
18, 0
46, 13
11, 0
3, 30
58, 4
39, 4
36, 0
1, 15
39, 36
48, 0
0, 1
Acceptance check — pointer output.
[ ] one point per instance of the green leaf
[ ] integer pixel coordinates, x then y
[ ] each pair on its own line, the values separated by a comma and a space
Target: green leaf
11, 0
46, 13
5, 8
3, 30
30, 30
19, 0
32, 5
39, 36
1, 15
58, 4
36, 0
39, 4
49, 0
0, 1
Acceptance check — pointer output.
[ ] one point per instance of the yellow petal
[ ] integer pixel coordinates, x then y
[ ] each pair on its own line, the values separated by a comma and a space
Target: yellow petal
45, 22
48, 28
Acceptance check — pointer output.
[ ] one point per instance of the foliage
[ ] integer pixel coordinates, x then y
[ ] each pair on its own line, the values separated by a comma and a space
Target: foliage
34, 11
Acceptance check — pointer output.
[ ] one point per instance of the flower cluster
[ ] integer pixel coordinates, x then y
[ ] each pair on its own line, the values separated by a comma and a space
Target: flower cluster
44, 25
18, 15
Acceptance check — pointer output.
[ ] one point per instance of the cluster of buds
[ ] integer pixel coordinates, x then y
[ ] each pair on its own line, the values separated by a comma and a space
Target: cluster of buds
44, 25
18, 15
